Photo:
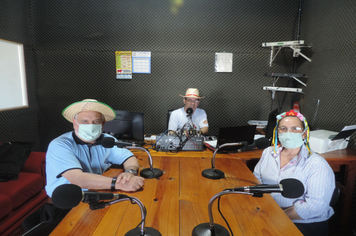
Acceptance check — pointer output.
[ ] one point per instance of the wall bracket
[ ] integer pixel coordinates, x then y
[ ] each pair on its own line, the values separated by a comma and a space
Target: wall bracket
296, 46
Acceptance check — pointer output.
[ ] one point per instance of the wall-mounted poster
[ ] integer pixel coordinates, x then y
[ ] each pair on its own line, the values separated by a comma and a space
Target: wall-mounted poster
141, 62
123, 65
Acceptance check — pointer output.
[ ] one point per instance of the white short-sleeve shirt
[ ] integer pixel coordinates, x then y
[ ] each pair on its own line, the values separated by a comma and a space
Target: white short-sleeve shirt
179, 118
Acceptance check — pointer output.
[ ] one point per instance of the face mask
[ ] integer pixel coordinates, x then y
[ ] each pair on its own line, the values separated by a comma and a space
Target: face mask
291, 140
89, 132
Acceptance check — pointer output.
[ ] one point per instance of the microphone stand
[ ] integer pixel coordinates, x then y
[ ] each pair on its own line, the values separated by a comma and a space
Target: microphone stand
143, 231
215, 173
211, 229
148, 172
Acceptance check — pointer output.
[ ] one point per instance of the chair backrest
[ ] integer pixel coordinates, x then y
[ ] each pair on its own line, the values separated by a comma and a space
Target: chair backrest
336, 194
168, 116
42, 229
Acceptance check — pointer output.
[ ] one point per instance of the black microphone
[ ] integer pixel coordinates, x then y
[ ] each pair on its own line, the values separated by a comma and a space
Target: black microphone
289, 188
260, 143
67, 196
109, 142
190, 111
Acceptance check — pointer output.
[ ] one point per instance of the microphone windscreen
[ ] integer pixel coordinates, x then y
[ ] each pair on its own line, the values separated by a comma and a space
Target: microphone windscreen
189, 111
67, 196
262, 143
292, 188
108, 142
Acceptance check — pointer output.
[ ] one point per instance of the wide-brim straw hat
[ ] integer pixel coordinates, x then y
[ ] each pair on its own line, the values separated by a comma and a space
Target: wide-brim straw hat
191, 93
88, 105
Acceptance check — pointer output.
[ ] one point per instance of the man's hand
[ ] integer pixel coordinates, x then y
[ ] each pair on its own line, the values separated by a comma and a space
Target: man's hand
124, 177
128, 182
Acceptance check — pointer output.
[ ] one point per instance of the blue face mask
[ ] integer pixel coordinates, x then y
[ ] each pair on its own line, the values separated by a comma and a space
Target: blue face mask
89, 132
291, 140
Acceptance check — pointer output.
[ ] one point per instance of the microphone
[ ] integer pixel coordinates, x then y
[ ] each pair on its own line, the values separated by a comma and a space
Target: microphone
190, 111
67, 196
260, 143
215, 173
109, 142
187, 125
289, 188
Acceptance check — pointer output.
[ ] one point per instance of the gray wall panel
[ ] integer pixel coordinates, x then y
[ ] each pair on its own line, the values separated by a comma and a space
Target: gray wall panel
20, 124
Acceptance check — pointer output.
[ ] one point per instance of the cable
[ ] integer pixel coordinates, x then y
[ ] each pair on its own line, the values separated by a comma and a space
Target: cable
158, 139
232, 234
144, 213
192, 142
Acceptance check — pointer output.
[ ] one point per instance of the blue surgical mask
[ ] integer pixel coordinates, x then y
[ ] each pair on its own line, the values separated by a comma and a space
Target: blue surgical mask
89, 132
291, 140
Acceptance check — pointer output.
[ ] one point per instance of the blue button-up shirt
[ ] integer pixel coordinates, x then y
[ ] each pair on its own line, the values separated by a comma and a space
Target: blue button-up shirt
312, 170
68, 152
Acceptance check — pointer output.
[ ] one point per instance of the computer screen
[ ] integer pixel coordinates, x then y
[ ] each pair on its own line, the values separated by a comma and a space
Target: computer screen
272, 120
235, 135
128, 125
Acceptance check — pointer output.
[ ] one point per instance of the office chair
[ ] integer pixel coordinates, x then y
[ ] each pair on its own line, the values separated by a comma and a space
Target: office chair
168, 116
336, 195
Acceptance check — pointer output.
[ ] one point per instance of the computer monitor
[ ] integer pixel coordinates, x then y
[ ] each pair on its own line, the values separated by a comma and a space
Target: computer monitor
272, 120
236, 134
128, 125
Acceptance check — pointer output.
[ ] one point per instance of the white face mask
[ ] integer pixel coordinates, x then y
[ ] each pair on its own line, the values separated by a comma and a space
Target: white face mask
89, 132
291, 140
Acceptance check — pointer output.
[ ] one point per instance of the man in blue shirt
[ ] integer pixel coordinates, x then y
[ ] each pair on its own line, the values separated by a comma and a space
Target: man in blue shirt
78, 158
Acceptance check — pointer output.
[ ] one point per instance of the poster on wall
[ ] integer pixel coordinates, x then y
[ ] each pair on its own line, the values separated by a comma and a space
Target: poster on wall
123, 65
141, 62
223, 62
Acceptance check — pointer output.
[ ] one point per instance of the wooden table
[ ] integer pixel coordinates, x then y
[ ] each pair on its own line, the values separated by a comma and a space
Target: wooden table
178, 201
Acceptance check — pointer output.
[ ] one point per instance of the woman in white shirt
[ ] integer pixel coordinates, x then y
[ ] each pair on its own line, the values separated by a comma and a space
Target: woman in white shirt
291, 157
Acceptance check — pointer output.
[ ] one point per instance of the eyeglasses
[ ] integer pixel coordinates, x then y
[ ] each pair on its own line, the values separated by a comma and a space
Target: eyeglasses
191, 100
294, 129
95, 122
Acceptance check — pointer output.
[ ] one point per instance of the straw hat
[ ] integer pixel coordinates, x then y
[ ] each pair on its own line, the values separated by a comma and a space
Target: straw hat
191, 93
88, 105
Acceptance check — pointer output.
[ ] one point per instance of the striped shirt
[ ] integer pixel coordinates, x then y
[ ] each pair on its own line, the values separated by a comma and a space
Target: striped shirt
313, 171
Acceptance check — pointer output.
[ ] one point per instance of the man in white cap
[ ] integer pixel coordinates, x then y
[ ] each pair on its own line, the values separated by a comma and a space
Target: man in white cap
180, 118
78, 158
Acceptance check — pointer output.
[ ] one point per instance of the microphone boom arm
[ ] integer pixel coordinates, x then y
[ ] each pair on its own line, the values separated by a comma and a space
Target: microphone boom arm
210, 212
215, 173
221, 146
210, 228
148, 172
142, 230
145, 150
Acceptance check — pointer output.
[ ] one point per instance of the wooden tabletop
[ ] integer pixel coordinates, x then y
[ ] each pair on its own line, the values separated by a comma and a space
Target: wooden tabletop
178, 201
